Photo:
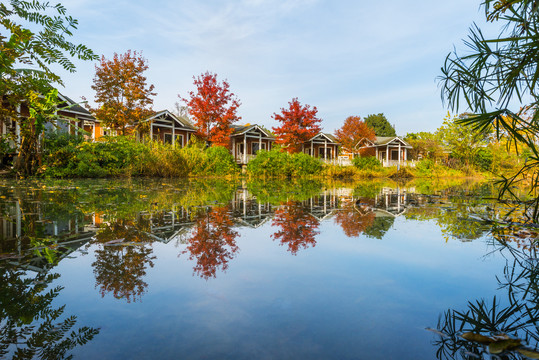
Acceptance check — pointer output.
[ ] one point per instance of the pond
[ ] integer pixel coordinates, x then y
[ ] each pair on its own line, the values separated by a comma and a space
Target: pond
218, 269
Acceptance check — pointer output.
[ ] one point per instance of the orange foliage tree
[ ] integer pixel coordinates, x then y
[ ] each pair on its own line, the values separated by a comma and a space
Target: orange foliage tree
213, 243
353, 130
298, 227
122, 95
354, 220
121, 259
298, 124
213, 108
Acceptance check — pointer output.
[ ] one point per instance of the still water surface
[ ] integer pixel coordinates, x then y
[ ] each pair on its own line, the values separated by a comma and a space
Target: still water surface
144, 269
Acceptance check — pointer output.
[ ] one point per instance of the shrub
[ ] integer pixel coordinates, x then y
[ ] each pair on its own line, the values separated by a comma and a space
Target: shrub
367, 163
270, 163
276, 163
303, 164
425, 167
219, 161
483, 159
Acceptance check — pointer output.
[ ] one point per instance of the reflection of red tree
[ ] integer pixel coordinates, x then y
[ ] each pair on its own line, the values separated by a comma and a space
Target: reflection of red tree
213, 242
122, 259
298, 227
354, 219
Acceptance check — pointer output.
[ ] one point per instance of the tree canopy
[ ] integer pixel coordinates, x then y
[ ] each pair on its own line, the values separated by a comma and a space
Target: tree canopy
353, 130
122, 94
298, 124
380, 125
213, 108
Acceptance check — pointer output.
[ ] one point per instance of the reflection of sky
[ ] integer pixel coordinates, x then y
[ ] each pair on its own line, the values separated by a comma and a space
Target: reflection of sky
344, 298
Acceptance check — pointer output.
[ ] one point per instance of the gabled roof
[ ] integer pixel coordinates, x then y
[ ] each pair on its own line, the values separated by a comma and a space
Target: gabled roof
168, 115
384, 140
70, 106
327, 136
242, 129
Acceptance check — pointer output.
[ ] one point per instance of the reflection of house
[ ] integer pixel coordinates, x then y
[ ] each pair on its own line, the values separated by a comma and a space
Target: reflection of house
322, 206
247, 211
65, 235
391, 202
323, 146
246, 140
391, 151
168, 128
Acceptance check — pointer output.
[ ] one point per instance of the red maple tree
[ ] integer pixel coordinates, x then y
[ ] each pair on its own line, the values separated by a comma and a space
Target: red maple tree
213, 108
298, 124
122, 95
298, 227
213, 242
353, 130
354, 220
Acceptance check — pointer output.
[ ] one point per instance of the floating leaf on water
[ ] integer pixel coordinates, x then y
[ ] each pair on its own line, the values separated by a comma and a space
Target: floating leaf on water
470, 336
504, 345
529, 353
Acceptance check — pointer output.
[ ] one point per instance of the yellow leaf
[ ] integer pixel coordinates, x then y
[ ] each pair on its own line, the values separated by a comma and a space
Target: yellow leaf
470, 336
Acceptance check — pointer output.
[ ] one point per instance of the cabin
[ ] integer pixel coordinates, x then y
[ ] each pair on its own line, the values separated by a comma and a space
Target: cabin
168, 128
71, 118
390, 150
323, 146
246, 140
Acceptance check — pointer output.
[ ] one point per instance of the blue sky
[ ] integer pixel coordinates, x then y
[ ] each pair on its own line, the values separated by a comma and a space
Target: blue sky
344, 57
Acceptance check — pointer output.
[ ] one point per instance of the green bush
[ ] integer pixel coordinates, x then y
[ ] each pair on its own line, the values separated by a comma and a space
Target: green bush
124, 156
276, 163
367, 163
483, 159
219, 161
270, 163
425, 167
303, 164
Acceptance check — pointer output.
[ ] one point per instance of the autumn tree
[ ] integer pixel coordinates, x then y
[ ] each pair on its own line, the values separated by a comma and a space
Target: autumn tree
122, 94
298, 228
354, 220
122, 258
213, 241
298, 124
213, 109
380, 125
353, 130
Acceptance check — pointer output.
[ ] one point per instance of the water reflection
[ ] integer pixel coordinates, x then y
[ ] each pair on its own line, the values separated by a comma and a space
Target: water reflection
120, 222
122, 255
296, 226
507, 325
212, 242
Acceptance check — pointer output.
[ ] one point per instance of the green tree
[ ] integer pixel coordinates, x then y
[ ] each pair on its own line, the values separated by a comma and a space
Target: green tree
497, 80
38, 51
425, 145
380, 125
462, 142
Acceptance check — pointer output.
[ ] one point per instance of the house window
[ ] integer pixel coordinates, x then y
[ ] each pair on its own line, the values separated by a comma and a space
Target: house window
254, 147
178, 140
324, 153
394, 154
168, 138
